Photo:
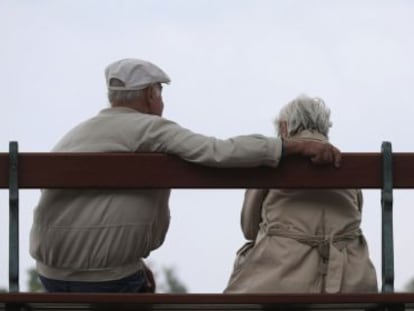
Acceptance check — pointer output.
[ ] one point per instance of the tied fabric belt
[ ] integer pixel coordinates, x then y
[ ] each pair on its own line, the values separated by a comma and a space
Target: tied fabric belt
329, 248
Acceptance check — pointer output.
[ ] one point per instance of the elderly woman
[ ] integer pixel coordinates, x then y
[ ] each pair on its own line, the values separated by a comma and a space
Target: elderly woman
307, 241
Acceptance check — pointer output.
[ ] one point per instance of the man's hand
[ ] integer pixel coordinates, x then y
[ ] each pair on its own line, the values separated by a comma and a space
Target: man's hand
150, 285
318, 152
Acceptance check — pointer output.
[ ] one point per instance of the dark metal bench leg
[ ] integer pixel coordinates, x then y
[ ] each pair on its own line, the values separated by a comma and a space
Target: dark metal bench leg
14, 218
387, 221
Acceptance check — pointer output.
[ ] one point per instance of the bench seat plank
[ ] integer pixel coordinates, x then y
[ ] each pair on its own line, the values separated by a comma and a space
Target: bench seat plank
55, 301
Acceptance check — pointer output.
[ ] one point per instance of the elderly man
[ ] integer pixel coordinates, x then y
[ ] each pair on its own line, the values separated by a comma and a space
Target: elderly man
303, 240
95, 240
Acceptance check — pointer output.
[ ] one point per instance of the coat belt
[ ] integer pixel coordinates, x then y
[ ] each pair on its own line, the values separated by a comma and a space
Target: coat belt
329, 249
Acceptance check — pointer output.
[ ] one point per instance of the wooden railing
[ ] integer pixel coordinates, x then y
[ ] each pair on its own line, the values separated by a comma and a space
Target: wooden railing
385, 171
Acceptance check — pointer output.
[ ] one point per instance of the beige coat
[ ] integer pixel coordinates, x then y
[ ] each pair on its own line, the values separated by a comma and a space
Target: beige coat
306, 241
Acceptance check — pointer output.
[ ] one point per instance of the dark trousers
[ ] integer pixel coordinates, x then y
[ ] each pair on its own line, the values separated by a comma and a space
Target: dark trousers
135, 283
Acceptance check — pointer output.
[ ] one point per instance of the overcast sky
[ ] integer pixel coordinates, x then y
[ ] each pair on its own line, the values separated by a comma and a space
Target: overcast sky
233, 65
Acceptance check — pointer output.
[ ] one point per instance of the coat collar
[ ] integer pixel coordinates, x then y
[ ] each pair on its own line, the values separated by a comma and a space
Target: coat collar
310, 135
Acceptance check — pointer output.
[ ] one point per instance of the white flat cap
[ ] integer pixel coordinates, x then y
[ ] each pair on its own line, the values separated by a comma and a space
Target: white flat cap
135, 74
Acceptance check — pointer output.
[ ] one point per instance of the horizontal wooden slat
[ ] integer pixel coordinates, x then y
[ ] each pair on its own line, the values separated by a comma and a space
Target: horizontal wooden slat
206, 301
126, 170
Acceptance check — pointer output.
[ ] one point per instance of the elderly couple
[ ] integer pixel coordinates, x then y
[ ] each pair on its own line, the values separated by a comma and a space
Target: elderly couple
306, 241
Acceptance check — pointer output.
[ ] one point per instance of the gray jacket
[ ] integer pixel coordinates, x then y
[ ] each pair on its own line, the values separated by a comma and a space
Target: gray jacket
97, 235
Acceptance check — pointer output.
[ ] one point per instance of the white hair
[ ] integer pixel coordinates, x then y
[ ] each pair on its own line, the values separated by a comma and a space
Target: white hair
115, 96
305, 113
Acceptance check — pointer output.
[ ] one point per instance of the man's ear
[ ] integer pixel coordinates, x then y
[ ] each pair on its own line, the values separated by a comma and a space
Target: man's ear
153, 94
283, 129
149, 98
149, 94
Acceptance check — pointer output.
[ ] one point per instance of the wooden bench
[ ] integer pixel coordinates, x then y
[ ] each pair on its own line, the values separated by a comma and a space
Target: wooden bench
385, 170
